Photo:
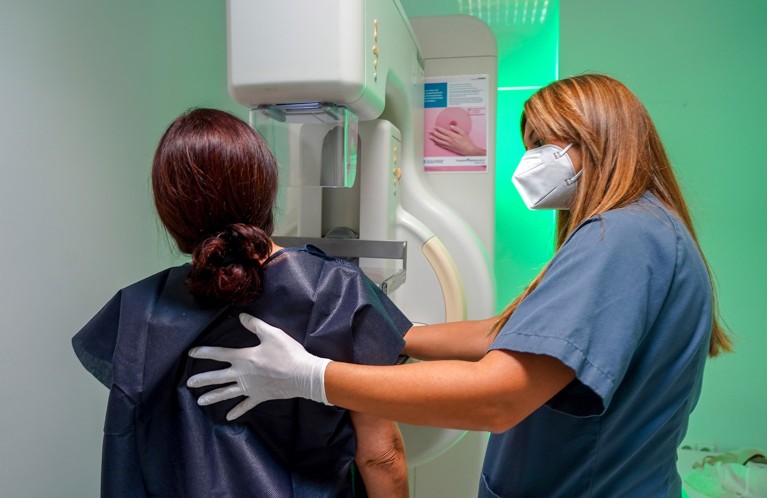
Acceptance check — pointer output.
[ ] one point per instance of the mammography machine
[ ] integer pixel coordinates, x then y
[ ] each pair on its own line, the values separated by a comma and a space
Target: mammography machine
337, 89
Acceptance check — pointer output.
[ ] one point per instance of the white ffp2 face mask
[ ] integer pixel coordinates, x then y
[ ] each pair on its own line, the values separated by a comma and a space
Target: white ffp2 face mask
546, 178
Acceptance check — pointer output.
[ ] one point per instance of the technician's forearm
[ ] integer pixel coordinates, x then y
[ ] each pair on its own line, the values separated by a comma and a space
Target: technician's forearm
466, 340
453, 394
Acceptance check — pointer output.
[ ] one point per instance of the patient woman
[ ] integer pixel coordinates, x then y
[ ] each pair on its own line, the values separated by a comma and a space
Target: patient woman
215, 183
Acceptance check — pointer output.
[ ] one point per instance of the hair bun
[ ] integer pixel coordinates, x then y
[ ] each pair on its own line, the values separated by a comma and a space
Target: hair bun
244, 244
226, 267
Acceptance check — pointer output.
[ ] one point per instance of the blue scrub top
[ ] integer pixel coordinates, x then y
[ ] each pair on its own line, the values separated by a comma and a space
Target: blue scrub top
625, 303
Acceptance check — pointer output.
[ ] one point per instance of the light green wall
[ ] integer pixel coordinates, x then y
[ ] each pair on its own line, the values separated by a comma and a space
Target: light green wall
700, 68
86, 88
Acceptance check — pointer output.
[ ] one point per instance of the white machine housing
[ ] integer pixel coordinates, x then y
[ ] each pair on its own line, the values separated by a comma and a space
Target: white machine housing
335, 55
363, 55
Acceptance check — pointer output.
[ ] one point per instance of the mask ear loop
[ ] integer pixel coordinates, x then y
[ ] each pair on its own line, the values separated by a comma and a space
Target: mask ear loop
557, 155
574, 179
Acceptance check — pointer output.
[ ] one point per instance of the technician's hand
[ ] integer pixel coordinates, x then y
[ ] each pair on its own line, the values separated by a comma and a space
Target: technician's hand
278, 368
455, 140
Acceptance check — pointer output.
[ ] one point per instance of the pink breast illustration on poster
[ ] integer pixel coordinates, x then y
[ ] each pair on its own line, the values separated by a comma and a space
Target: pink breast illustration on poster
455, 123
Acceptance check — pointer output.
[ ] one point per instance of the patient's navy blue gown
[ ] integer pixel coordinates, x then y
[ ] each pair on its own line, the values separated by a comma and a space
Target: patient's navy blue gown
159, 442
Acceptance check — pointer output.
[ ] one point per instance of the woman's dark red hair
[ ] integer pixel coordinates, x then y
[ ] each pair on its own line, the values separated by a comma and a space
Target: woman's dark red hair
215, 183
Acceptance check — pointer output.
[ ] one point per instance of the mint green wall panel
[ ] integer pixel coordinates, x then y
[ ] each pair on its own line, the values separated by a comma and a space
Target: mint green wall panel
700, 68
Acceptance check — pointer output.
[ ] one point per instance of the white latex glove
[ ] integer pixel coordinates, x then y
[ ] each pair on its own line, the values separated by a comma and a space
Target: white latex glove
278, 368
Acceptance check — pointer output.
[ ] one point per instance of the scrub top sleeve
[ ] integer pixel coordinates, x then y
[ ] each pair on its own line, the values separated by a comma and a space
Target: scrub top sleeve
591, 308
378, 326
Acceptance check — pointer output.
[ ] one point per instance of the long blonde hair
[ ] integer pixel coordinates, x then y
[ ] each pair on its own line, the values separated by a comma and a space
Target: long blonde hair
621, 154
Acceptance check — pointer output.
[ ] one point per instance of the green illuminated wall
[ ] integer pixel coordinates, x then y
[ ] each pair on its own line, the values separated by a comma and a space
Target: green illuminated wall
527, 51
700, 68
528, 40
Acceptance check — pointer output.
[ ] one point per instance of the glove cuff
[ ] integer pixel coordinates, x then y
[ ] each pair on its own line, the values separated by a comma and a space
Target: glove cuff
317, 380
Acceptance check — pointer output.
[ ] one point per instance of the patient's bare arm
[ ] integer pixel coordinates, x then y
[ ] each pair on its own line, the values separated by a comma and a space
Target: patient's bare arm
380, 456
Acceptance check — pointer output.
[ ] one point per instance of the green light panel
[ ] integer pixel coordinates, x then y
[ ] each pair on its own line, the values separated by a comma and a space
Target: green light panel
527, 33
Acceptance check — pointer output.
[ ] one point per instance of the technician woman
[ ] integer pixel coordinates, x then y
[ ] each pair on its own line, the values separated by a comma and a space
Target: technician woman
588, 378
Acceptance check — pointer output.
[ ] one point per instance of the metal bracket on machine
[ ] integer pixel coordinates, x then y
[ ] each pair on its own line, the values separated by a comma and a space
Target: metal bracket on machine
387, 280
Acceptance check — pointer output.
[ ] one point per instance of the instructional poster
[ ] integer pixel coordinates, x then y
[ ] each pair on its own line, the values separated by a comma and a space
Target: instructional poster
455, 123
